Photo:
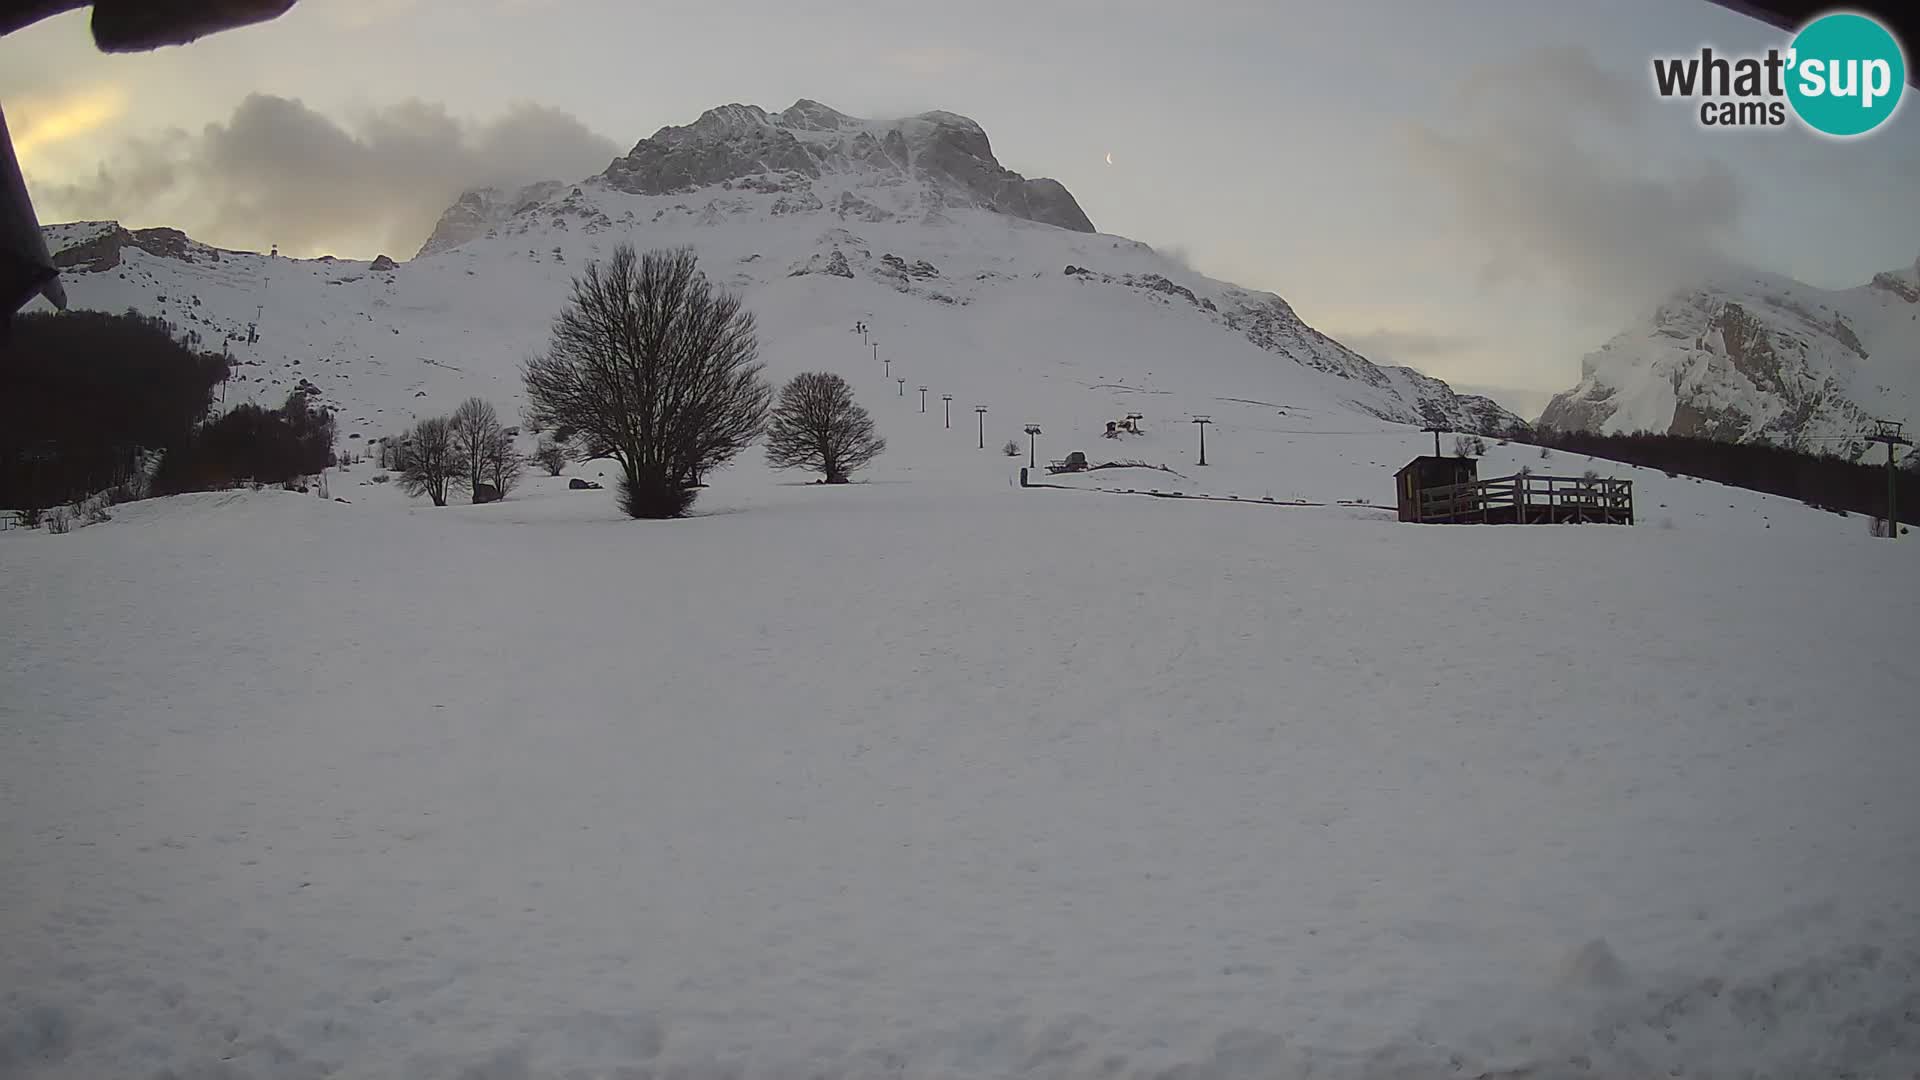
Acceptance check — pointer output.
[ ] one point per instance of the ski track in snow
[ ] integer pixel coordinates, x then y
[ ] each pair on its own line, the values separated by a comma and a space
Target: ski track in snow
950, 780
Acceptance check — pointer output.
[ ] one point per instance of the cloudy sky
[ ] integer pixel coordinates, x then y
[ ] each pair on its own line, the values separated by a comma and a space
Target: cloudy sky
1483, 190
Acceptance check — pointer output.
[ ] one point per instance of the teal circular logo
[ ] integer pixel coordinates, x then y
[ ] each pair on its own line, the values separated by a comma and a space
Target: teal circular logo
1845, 74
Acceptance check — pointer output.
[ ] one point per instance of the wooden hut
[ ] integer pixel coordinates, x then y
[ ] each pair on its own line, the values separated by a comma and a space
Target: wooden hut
1429, 471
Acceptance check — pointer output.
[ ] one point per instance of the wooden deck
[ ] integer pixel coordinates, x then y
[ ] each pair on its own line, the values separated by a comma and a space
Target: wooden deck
1529, 499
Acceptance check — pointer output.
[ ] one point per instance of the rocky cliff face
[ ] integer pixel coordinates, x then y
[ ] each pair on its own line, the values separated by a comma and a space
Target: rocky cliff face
1758, 357
481, 209
947, 151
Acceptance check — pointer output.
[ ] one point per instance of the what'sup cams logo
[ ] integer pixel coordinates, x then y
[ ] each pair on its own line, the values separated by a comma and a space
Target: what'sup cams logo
1841, 75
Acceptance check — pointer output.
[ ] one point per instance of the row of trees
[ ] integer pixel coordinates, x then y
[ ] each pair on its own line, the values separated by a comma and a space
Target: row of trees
92, 403
83, 394
268, 446
1819, 480
468, 450
652, 366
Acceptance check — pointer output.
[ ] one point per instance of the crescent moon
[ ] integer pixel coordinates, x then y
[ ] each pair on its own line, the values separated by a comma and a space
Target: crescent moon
1109, 157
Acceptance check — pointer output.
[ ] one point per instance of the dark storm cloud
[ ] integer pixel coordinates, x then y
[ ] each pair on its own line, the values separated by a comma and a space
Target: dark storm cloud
1561, 176
276, 171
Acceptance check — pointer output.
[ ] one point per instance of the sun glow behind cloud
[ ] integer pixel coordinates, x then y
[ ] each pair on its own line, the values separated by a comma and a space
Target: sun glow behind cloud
39, 123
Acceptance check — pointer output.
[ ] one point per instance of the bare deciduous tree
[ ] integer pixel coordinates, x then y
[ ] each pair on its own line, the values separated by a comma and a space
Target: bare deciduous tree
501, 465
476, 428
818, 426
551, 456
653, 366
432, 464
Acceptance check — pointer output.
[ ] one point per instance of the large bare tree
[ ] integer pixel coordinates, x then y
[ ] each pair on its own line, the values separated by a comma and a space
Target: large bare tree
653, 366
817, 425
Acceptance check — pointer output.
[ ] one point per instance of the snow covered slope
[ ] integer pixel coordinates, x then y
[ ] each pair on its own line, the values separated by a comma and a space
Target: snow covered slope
820, 220
1760, 356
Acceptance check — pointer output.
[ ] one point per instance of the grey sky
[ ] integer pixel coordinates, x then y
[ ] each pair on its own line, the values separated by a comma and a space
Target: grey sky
1485, 191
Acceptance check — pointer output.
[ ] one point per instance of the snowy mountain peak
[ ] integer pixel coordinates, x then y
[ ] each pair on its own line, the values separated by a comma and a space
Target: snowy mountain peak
726, 121
942, 152
810, 115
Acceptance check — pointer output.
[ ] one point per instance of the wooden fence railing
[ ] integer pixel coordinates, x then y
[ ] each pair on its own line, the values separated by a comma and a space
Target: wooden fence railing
1528, 499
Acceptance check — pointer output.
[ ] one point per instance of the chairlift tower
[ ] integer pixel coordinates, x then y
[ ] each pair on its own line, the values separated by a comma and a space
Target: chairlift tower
1202, 422
1892, 433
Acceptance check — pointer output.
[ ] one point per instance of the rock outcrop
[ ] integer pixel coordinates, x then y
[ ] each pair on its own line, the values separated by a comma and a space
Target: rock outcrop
102, 252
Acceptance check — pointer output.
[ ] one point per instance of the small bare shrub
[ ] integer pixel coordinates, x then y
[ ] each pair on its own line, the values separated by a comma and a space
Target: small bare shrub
551, 455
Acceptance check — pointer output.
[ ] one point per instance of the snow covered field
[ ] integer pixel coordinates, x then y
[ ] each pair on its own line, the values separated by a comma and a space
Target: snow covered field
935, 777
